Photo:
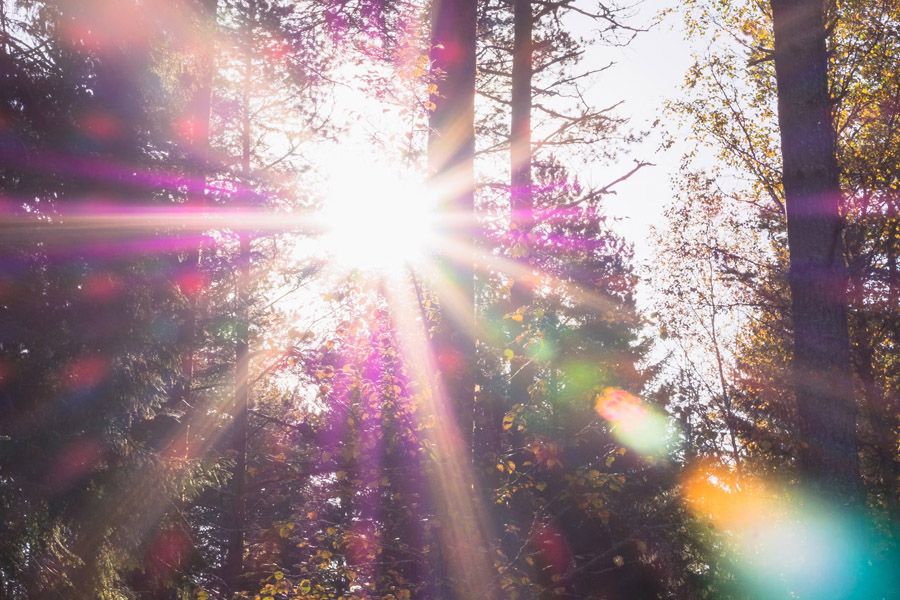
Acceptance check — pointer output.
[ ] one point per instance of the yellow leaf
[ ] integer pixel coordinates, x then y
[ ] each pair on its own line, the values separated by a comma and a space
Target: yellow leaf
508, 419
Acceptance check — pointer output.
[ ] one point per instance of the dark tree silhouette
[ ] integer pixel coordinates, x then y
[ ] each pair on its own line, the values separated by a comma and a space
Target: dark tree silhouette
823, 380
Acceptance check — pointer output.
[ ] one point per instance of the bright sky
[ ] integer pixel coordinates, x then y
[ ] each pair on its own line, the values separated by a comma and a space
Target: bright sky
648, 72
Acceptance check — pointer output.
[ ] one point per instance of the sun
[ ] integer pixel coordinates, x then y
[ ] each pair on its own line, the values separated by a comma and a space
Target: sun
376, 218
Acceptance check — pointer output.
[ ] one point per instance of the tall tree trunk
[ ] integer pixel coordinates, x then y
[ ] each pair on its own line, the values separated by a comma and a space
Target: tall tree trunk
234, 567
465, 546
451, 152
521, 199
823, 386
521, 205
198, 160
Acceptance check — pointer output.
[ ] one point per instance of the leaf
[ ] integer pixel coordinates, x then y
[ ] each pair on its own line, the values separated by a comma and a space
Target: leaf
285, 530
508, 420
279, 575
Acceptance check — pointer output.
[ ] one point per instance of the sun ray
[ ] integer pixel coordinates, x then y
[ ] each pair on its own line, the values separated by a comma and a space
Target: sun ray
535, 279
465, 525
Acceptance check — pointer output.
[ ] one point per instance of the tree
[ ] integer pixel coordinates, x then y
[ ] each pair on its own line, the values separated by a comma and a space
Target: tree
451, 155
823, 382
730, 219
521, 201
96, 376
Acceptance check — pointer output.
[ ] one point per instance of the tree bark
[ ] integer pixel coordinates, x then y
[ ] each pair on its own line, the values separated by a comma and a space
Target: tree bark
198, 166
451, 152
464, 552
234, 564
823, 388
521, 193
521, 205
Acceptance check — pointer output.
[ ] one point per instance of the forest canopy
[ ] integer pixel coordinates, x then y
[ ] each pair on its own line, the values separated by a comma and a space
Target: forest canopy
351, 299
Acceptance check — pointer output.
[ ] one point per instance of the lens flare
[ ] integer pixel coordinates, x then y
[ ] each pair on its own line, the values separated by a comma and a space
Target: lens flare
85, 373
787, 543
635, 423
